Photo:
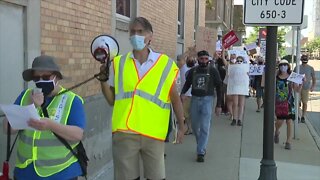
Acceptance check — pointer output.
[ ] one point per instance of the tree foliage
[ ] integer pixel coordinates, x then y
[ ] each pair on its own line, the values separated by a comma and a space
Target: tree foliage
254, 35
313, 45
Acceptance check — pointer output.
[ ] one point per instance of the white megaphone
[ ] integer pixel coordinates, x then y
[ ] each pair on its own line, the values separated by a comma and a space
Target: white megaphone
104, 48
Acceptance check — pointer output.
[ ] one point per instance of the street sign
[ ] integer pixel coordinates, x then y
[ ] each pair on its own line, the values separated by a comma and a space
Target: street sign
273, 12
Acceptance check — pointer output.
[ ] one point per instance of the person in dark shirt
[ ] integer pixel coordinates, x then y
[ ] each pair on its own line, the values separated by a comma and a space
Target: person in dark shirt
257, 85
222, 72
204, 79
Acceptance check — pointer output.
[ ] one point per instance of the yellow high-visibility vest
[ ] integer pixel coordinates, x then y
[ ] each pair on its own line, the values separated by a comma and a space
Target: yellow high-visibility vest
143, 105
48, 154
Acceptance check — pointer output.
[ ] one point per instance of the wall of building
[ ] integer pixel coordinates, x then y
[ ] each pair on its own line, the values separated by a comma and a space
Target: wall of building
67, 29
189, 23
163, 17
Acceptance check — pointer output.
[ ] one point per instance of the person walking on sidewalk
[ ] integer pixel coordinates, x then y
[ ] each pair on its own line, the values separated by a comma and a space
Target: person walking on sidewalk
284, 102
186, 100
221, 67
40, 154
307, 87
204, 79
257, 85
238, 97
228, 98
141, 88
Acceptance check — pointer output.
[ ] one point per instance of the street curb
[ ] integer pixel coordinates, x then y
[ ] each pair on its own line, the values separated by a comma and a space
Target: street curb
313, 132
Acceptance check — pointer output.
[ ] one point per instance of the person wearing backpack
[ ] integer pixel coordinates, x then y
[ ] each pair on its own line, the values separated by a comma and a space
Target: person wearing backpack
40, 152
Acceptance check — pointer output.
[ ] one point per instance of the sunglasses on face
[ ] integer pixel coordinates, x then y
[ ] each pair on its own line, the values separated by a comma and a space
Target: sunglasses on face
43, 77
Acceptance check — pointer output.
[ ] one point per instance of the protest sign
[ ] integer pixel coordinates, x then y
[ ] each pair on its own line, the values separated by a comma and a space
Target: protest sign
238, 79
251, 46
218, 46
256, 70
242, 53
296, 78
229, 39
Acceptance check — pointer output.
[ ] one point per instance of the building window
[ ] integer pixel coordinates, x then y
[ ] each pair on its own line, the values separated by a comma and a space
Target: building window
123, 8
181, 19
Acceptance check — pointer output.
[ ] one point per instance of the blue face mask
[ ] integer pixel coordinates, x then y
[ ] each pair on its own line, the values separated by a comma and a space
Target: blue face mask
46, 86
137, 42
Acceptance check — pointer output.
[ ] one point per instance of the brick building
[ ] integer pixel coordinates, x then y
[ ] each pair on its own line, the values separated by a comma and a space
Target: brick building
65, 29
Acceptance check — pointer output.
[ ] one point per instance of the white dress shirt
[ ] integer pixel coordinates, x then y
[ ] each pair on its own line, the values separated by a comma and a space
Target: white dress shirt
142, 68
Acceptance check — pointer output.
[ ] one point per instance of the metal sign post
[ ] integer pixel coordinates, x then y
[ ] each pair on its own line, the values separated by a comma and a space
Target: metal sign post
268, 169
297, 95
271, 14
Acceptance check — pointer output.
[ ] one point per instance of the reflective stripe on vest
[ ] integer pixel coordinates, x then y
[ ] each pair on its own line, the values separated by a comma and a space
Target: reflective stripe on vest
43, 148
150, 93
152, 98
43, 142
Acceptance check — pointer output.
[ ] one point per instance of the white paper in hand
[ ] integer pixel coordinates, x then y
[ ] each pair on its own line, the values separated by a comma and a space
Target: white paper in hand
18, 116
296, 78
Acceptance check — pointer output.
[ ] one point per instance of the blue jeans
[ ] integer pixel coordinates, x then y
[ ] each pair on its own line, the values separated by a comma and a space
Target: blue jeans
201, 114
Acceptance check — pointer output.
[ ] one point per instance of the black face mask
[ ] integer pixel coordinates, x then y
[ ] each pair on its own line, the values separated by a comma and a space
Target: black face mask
203, 64
260, 63
46, 86
190, 63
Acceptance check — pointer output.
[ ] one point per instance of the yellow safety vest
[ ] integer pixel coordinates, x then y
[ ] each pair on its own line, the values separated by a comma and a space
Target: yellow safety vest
48, 154
143, 105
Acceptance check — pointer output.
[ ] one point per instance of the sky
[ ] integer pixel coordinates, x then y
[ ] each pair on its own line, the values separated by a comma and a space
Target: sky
308, 5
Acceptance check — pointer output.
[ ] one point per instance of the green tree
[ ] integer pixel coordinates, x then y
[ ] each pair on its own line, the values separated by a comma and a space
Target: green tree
313, 45
254, 35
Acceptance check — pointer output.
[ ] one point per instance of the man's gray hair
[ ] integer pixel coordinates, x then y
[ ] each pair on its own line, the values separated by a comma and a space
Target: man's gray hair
143, 22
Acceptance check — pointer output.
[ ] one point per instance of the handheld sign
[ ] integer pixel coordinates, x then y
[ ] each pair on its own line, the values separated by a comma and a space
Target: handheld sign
256, 70
273, 12
238, 79
229, 39
296, 78
242, 53
251, 46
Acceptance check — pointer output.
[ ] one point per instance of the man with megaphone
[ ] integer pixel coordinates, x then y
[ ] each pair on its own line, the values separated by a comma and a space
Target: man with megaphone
141, 87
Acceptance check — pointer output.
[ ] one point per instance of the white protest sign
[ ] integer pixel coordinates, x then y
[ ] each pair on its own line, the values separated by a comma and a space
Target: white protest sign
256, 70
238, 79
263, 48
218, 46
251, 46
273, 12
242, 53
296, 78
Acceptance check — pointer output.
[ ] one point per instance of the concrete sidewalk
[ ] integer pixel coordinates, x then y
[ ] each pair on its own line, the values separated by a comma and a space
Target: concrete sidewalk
235, 153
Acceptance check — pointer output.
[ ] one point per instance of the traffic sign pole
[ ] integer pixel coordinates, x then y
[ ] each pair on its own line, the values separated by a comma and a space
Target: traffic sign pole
297, 95
268, 169
271, 14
